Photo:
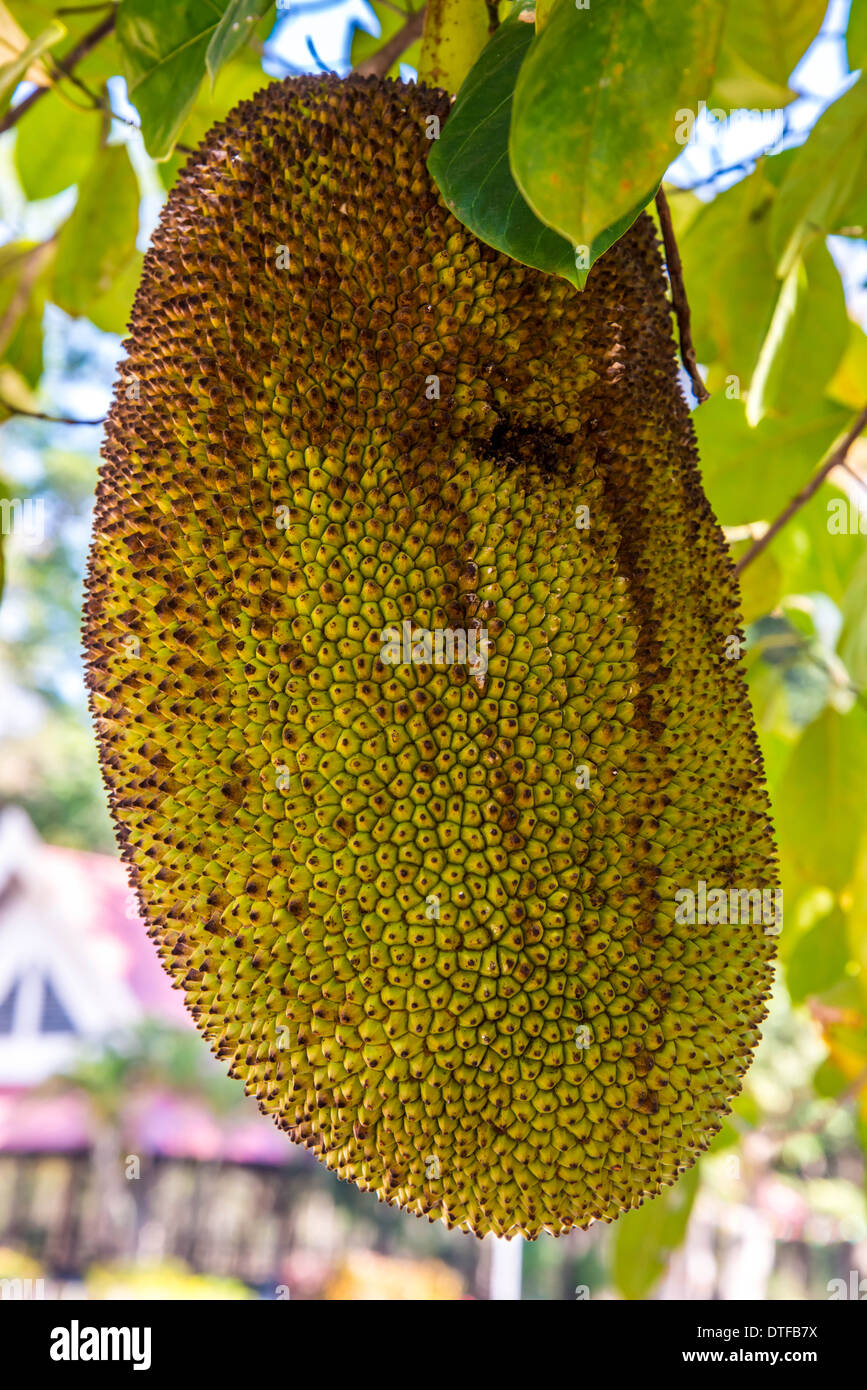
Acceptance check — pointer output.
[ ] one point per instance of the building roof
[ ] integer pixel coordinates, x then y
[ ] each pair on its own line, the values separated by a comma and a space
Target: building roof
77, 966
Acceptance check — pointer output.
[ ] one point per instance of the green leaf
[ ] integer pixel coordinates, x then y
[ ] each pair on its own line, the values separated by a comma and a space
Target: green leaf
165, 44
814, 558
773, 35
852, 645
14, 70
47, 158
24, 271
820, 809
737, 86
238, 82
824, 189
750, 474
98, 240
644, 1239
470, 161
856, 34
596, 106
806, 338
760, 584
233, 31
729, 274
455, 33
110, 311
819, 958
849, 382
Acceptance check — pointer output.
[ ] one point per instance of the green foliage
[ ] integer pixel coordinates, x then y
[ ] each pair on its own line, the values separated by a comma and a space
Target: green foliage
825, 189
97, 243
806, 338
166, 45
470, 161
231, 34
596, 103
771, 36
643, 1240
821, 802
46, 159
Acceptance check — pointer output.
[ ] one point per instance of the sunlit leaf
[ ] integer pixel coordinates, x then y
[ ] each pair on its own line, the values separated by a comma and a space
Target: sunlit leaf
729, 274
165, 43
96, 243
46, 158
470, 161
644, 1239
773, 35
820, 810
750, 474
805, 340
233, 31
596, 107
824, 190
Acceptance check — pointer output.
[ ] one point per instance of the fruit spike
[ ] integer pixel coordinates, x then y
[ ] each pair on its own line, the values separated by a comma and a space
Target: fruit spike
424, 902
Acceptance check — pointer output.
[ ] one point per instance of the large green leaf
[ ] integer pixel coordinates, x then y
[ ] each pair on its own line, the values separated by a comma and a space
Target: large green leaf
820, 809
165, 45
806, 338
98, 241
749, 473
644, 1239
773, 35
233, 31
47, 158
729, 274
594, 122
825, 189
819, 958
470, 161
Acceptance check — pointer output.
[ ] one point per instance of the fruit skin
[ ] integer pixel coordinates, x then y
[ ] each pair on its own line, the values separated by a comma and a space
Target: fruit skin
434, 957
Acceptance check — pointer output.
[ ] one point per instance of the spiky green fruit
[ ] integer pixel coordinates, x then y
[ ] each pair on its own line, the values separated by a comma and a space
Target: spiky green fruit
425, 907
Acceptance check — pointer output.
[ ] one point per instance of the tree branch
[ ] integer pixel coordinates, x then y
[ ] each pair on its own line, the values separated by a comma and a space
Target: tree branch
493, 15
379, 64
679, 301
14, 410
838, 457
81, 50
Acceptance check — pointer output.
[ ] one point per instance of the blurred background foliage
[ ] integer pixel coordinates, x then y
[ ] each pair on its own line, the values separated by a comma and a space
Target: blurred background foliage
99, 106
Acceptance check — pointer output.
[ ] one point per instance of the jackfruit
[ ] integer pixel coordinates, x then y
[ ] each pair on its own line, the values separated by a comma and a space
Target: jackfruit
411, 647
